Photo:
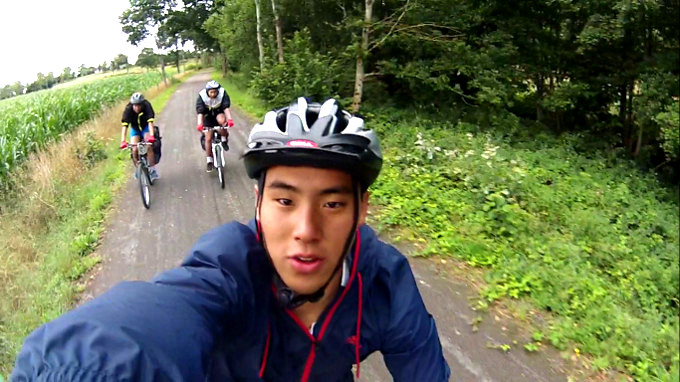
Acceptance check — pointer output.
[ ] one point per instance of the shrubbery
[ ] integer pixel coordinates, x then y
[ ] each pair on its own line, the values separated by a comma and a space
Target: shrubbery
591, 241
305, 72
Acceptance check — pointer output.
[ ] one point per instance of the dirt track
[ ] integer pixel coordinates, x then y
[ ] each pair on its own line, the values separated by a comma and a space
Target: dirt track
187, 201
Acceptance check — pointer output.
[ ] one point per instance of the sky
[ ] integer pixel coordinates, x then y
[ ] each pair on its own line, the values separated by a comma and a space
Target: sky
49, 35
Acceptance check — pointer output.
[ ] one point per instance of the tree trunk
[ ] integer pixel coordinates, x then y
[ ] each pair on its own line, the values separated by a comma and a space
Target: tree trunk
225, 63
540, 91
165, 79
259, 34
623, 112
363, 51
638, 144
629, 116
279, 37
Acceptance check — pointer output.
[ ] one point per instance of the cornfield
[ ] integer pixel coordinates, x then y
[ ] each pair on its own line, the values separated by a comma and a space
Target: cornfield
28, 123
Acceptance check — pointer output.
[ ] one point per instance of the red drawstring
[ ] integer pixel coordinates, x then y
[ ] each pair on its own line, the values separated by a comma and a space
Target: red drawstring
357, 344
324, 326
259, 229
266, 350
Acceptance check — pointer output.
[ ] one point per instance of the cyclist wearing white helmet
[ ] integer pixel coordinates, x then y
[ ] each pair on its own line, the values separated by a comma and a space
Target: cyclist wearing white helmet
302, 293
139, 116
211, 106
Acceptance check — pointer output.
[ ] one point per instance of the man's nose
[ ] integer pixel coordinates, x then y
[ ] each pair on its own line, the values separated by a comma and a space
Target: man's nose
308, 224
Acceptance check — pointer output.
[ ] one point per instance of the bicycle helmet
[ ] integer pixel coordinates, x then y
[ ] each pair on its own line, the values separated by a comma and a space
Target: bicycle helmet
317, 135
212, 84
136, 98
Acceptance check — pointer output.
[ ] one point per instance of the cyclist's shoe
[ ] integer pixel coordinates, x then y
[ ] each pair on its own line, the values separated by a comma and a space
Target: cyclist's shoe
135, 174
225, 145
210, 167
153, 174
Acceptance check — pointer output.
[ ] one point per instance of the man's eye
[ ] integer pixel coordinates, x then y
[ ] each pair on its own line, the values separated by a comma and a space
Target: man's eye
334, 204
284, 202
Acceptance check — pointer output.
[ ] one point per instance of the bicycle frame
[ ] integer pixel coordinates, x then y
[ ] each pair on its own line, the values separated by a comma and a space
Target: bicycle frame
218, 152
142, 171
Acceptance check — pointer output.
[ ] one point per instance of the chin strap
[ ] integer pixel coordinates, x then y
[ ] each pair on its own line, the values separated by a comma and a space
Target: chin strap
286, 297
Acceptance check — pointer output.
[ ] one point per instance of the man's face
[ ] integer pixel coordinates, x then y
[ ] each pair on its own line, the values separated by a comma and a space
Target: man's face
212, 93
306, 216
137, 107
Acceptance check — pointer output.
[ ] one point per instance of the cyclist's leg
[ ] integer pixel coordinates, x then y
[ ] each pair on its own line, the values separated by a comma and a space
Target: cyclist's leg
149, 152
222, 121
135, 138
208, 143
209, 121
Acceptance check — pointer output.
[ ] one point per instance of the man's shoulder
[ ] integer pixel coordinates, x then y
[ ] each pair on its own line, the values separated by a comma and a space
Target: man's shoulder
377, 256
227, 246
230, 235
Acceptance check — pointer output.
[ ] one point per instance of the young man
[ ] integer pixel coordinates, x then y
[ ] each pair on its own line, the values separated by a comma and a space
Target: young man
139, 116
211, 106
302, 293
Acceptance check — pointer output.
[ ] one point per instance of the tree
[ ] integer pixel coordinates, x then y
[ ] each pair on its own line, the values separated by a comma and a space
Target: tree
66, 75
121, 61
260, 47
174, 26
363, 49
85, 71
234, 22
6, 92
279, 33
147, 58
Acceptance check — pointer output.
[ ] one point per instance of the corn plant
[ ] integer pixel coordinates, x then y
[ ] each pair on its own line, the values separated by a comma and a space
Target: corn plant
28, 123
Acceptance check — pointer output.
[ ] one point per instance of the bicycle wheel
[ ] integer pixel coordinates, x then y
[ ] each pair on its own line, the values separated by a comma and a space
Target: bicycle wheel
144, 185
219, 165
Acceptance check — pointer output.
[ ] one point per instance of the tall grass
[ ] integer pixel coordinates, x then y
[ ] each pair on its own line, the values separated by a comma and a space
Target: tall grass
52, 220
28, 123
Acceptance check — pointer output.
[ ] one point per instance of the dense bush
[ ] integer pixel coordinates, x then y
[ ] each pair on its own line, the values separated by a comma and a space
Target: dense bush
305, 72
592, 241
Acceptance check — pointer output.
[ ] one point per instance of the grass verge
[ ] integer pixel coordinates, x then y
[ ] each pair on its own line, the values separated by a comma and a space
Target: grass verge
52, 223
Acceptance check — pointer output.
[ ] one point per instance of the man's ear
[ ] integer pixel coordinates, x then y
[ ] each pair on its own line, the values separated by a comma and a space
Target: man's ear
363, 208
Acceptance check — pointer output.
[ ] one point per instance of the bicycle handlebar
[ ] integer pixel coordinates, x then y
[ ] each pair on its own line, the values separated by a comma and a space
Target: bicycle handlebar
205, 128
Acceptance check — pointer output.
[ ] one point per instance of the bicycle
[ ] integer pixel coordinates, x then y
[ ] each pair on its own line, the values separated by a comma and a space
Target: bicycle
142, 171
218, 152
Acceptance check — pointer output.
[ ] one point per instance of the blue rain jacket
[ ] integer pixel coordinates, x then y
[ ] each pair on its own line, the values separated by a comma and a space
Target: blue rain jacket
216, 317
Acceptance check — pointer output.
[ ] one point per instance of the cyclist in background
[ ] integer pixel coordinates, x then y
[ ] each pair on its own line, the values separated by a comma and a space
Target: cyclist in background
212, 109
304, 292
139, 116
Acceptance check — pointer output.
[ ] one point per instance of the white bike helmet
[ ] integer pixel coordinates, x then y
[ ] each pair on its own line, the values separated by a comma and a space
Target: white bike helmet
212, 84
317, 135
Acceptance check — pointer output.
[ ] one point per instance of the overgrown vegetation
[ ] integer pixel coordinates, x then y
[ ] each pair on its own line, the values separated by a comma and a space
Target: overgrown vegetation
28, 123
585, 238
51, 223
605, 69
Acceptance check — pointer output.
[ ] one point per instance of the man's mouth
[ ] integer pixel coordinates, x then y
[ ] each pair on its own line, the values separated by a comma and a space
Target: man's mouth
305, 264
306, 259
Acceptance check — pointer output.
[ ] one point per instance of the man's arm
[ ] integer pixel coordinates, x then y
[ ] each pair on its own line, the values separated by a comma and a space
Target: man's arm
411, 346
150, 116
226, 104
160, 330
